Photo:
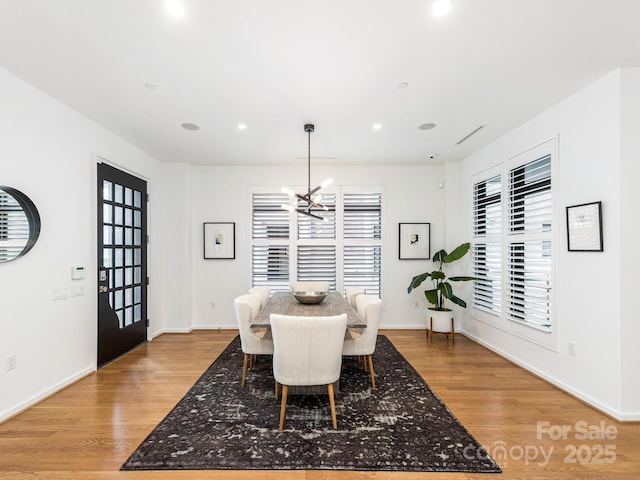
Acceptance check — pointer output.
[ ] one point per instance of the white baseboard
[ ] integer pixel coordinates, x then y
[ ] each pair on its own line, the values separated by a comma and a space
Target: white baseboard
30, 402
613, 413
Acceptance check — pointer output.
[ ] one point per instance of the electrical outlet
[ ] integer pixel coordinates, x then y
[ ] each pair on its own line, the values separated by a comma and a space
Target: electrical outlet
213, 304
11, 362
572, 348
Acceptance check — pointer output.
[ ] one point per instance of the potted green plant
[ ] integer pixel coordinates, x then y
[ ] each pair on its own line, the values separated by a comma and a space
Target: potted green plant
442, 289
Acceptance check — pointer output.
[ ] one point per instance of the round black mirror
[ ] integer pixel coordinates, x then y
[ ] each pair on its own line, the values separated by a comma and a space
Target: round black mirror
19, 224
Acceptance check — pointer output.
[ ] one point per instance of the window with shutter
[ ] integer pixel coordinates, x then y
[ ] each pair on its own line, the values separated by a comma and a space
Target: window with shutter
345, 254
530, 266
270, 232
512, 251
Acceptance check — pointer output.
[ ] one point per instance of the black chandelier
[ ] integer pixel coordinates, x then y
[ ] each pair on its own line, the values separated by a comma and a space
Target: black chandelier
309, 198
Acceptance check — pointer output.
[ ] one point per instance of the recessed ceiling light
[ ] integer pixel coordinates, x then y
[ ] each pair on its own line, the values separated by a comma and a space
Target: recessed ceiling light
377, 126
190, 126
403, 85
150, 86
242, 126
174, 8
441, 8
426, 126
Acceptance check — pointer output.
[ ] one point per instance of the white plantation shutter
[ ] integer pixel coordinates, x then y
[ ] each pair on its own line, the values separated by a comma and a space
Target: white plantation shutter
487, 268
270, 267
317, 263
362, 254
363, 268
529, 243
487, 249
269, 219
312, 228
363, 215
270, 250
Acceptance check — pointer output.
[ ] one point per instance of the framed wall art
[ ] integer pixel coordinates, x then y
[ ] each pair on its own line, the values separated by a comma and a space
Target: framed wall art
219, 240
584, 227
415, 241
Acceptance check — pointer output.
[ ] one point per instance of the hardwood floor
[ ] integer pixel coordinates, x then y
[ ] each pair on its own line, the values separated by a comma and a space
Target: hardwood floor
89, 429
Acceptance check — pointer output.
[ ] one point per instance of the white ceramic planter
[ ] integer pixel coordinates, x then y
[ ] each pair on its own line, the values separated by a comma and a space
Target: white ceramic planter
439, 321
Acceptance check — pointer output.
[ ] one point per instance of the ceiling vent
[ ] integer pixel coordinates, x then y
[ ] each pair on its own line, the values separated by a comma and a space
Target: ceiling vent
472, 133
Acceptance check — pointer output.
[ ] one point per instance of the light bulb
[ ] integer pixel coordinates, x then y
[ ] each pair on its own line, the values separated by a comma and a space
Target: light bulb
326, 183
287, 207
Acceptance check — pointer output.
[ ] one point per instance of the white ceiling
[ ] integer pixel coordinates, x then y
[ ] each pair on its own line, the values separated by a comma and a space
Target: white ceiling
278, 64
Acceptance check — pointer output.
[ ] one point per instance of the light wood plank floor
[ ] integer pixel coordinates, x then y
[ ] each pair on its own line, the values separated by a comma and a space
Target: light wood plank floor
89, 429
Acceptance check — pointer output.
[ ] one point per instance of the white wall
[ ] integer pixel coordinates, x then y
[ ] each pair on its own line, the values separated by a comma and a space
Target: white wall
587, 303
628, 237
49, 152
221, 194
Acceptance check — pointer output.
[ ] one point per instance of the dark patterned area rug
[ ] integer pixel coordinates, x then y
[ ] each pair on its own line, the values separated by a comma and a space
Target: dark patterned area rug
400, 426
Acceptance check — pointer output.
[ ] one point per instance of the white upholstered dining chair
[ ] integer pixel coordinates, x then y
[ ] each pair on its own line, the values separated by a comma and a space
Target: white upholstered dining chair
351, 293
305, 286
363, 342
307, 351
264, 292
253, 342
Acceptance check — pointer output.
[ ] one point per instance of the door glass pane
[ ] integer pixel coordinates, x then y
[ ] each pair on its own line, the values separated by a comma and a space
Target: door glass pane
137, 256
128, 197
138, 237
128, 316
106, 257
118, 237
118, 216
128, 236
106, 214
118, 193
128, 256
128, 276
128, 296
137, 219
107, 190
118, 299
137, 199
119, 259
107, 237
121, 318
119, 278
137, 313
137, 275
128, 217
137, 294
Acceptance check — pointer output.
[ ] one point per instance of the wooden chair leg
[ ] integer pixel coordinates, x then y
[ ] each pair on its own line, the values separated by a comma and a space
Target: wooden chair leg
373, 381
332, 402
453, 333
283, 405
244, 369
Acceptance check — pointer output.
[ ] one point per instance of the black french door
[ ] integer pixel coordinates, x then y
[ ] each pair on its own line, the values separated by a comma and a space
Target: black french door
122, 262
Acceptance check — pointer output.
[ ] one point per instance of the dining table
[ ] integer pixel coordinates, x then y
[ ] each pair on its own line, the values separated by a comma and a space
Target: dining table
285, 303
